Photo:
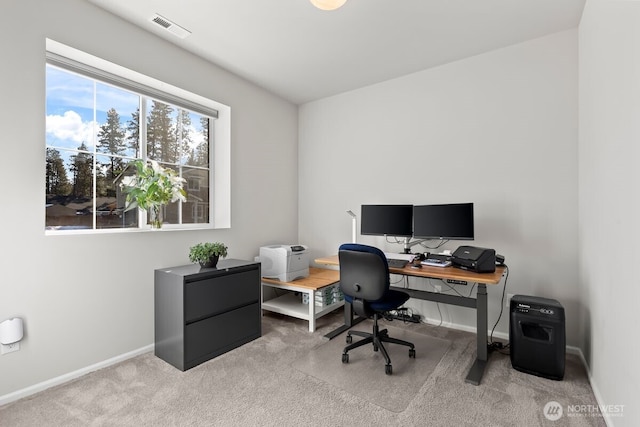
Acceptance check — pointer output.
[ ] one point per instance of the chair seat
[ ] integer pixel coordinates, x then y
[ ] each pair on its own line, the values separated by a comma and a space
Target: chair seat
391, 300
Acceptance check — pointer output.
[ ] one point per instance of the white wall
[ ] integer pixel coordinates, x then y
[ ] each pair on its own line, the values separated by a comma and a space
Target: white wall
498, 129
609, 201
86, 299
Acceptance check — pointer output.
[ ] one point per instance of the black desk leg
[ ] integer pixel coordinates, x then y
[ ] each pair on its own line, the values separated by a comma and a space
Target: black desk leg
349, 321
477, 370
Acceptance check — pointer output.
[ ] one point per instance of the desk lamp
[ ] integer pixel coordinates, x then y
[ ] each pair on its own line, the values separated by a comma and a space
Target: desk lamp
354, 225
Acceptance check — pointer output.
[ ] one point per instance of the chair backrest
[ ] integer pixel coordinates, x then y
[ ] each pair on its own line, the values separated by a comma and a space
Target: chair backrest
364, 272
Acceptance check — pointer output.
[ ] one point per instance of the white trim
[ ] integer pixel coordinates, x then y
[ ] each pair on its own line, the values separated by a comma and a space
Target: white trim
36, 388
501, 335
596, 392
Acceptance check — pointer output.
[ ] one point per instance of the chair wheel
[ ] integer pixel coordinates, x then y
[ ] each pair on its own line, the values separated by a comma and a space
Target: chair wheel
345, 357
388, 369
412, 353
349, 339
375, 348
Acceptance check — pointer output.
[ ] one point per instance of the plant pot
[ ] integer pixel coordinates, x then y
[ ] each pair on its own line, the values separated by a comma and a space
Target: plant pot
210, 263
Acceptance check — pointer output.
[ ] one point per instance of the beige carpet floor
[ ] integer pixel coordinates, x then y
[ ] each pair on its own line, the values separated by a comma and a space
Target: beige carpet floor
364, 376
257, 385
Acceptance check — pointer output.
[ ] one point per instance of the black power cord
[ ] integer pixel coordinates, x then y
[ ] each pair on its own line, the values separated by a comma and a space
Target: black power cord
497, 345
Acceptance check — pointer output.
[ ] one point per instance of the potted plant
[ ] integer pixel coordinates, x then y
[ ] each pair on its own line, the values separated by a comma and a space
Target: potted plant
151, 188
207, 254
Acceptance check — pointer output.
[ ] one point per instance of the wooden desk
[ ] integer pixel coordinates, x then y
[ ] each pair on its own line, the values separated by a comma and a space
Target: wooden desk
289, 304
435, 272
479, 303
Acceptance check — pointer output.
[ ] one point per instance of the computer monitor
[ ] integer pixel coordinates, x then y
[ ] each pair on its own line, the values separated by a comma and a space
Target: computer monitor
446, 222
386, 220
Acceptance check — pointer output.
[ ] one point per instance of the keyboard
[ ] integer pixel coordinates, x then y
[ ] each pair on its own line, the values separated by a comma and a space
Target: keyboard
397, 263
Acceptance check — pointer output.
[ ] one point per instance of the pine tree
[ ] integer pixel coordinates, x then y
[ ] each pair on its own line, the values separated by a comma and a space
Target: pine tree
111, 141
133, 131
57, 181
202, 150
82, 168
183, 134
160, 137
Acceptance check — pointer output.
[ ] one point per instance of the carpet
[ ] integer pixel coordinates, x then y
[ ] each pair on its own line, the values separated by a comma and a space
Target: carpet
255, 386
364, 376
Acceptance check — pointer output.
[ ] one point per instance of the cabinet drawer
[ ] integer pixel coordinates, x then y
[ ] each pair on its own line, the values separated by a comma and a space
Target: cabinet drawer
219, 294
216, 335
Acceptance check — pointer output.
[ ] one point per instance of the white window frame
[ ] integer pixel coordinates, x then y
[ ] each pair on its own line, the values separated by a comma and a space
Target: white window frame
220, 155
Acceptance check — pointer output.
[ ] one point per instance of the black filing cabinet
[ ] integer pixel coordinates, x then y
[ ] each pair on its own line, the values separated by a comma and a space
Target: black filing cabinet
201, 313
537, 336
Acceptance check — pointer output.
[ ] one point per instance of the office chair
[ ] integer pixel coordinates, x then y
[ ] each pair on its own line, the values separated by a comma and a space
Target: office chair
364, 280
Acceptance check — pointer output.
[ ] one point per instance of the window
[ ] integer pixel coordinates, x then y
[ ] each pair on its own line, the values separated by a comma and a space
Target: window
193, 183
101, 117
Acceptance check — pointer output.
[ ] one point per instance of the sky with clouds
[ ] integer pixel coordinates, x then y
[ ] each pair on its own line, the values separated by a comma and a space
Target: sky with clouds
76, 107
75, 104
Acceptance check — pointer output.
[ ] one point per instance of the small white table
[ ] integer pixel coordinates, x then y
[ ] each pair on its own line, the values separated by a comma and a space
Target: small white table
290, 304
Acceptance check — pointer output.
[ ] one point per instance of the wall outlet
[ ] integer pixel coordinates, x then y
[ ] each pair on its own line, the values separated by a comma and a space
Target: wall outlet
437, 288
9, 348
507, 303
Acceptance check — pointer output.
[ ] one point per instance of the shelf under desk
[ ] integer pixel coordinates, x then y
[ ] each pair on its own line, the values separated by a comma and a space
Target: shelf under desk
289, 304
479, 303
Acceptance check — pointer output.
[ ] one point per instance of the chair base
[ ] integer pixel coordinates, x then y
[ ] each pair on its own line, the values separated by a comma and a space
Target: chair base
376, 338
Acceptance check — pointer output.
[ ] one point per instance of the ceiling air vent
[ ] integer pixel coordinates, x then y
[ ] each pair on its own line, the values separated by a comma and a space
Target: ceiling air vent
172, 27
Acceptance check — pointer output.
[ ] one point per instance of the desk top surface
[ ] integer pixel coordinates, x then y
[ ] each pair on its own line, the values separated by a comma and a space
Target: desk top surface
317, 278
435, 272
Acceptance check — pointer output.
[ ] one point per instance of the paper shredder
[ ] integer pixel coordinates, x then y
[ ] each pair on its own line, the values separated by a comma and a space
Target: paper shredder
537, 336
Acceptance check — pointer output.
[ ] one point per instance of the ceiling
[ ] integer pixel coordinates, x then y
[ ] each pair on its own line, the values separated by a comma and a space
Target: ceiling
302, 53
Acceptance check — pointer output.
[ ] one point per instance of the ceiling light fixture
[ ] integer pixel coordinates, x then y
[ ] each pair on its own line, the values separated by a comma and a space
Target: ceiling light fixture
328, 4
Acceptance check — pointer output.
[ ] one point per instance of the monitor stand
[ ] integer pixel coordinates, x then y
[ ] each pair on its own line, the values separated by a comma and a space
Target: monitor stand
408, 244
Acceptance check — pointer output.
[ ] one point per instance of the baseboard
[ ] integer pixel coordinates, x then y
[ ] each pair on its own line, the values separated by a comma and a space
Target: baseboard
596, 392
36, 388
456, 326
499, 335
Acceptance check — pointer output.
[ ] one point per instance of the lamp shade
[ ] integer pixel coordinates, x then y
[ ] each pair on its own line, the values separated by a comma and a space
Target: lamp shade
328, 4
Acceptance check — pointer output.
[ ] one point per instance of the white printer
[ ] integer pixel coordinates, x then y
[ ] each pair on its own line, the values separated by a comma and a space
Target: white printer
284, 262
